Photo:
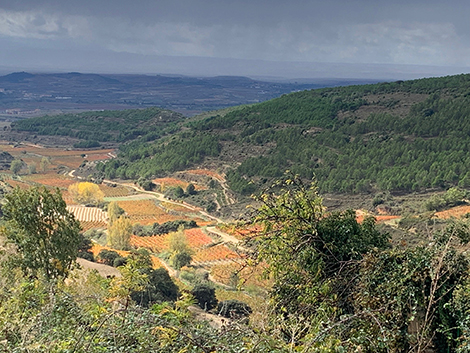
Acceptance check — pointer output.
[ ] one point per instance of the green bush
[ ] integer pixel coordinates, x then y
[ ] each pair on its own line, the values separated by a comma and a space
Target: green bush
160, 288
233, 309
205, 296
108, 257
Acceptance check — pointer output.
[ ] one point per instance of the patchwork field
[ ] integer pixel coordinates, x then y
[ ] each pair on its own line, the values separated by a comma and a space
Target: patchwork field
51, 167
215, 253
32, 154
87, 225
146, 212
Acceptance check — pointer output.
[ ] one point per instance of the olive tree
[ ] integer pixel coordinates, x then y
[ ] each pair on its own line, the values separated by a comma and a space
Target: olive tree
45, 234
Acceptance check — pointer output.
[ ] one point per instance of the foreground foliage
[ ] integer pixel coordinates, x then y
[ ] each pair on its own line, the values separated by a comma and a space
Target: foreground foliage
45, 235
340, 286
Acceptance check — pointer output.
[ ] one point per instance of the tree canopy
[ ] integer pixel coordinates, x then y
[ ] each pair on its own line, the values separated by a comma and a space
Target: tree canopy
86, 193
45, 234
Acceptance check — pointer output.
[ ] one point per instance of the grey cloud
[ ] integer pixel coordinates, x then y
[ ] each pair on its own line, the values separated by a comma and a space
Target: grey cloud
363, 31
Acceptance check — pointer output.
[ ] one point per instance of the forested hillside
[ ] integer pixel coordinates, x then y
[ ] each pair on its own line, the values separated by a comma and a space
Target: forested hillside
96, 127
401, 136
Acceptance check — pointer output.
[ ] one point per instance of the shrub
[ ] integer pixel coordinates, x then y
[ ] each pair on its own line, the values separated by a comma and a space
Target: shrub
180, 259
119, 261
108, 257
233, 309
205, 296
160, 288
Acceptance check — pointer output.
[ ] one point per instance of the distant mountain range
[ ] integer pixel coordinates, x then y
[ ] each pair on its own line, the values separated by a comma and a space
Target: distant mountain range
23, 93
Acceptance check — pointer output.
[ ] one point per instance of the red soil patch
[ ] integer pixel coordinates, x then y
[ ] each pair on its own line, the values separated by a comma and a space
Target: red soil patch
456, 212
381, 219
206, 172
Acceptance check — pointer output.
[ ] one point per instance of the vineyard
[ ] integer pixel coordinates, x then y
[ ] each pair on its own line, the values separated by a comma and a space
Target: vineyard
144, 209
165, 183
155, 243
16, 183
32, 154
196, 239
116, 191
88, 214
218, 253
50, 179
171, 206
146, 212
93, 225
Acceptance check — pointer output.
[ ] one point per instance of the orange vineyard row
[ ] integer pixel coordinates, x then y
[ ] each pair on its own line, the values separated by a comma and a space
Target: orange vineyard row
118, 191
92, 225
196, 238
141, 208
50, 179
16, 183
175, 207
165, 183
214, 253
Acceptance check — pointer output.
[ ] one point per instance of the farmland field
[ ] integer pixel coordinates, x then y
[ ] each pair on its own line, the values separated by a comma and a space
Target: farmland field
215, 253
87, 225
175, 207
32, 154
88, 214
144, 209
145, 212
117, 191
165, 183
16, 183
50, 179
196, 239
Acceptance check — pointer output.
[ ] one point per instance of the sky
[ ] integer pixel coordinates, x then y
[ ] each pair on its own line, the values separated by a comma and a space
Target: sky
291, 39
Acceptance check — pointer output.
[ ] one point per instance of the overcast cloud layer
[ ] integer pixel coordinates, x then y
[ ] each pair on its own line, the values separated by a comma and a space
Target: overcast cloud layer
117, 34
